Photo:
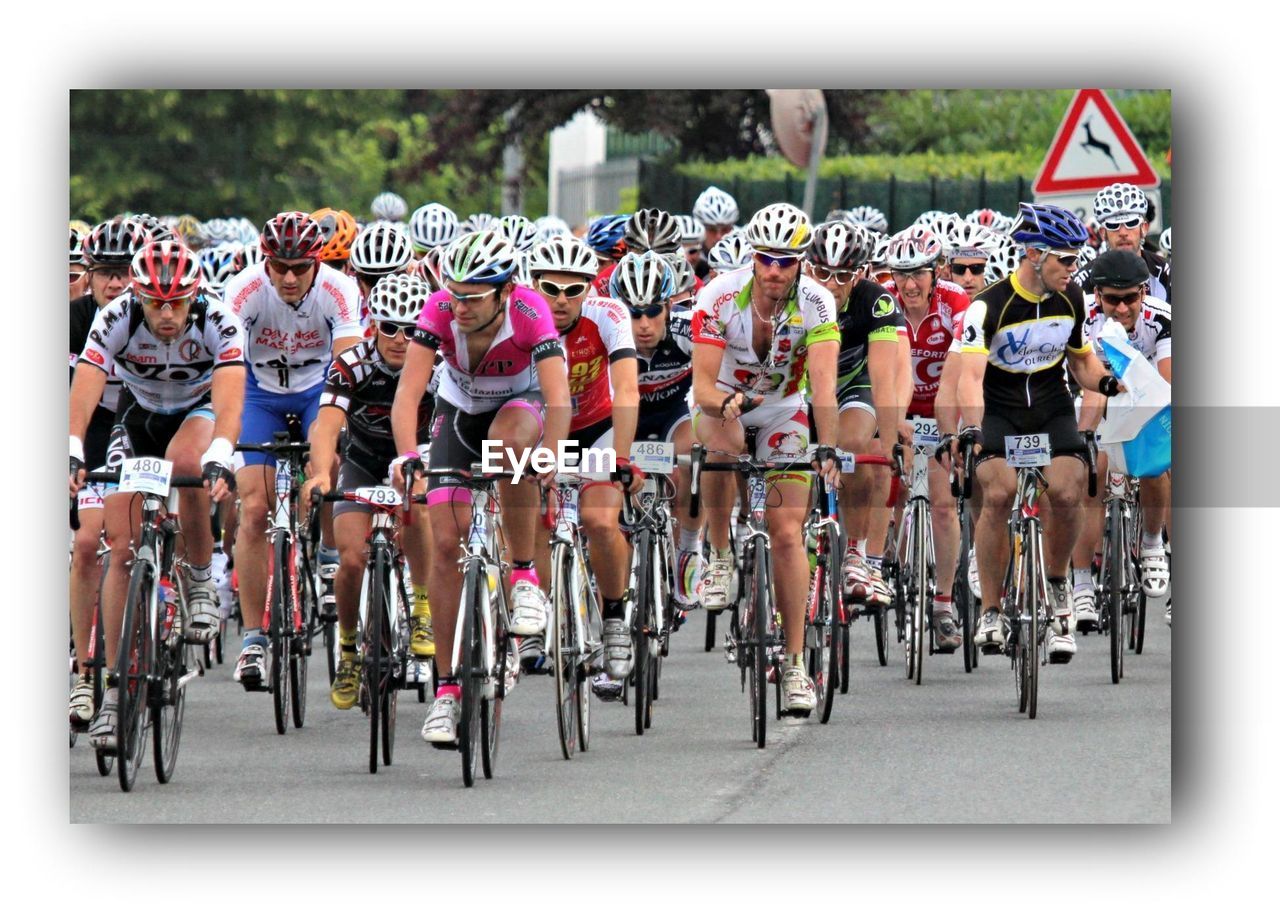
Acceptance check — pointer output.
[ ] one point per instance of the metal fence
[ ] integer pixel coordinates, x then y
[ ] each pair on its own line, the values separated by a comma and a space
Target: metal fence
900, 201
594, 189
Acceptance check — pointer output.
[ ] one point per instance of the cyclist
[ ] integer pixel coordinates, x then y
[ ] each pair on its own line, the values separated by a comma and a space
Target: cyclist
867, 387
431, 226
606, 236
601, 357
718, 213
1120, 280
1017, 334
969, 248
517, 394
108, 250
78, 281
359, 390
645, 283
1123, 212
645, 229
692, 233
298, 313
181, 402
934, 312
756, 332
732, 252
339, 230
381, 249
388, 207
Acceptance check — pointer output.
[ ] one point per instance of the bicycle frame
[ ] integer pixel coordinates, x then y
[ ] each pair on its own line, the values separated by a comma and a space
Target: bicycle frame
481, 546
568, 532
1024, 527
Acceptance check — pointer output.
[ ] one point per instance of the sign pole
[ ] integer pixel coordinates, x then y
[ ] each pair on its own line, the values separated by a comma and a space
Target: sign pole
815, 158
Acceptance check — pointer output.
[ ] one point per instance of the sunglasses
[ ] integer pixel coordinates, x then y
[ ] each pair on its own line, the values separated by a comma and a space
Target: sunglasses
651, 311
825, 274
159, 304
1128, 300
783, 262
1067, 258
976, 269
391, 329
75, 277
472, 299
339, 265
1122, 222
554, 290
369, 279
111, 272
282, 267
917, 274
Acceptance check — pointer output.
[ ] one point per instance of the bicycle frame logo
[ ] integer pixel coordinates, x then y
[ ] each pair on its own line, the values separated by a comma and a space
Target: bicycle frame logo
567, 457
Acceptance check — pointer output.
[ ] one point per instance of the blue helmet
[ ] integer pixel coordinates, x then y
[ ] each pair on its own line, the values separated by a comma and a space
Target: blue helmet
605, 235
1043, 225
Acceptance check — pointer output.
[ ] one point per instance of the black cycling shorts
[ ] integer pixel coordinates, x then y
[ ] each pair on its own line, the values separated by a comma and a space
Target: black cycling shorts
140, 433
1064, 433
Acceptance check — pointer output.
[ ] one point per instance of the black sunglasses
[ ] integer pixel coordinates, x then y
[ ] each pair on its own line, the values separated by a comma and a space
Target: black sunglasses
959, 269
281, 267
1128, 300
651, 311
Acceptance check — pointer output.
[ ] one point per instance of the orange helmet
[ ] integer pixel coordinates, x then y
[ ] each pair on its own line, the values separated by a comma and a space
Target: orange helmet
339, 229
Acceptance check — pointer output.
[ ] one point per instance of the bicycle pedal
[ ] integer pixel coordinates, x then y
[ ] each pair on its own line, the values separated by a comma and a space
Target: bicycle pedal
444, 746
991, 649
943, 649
797, 714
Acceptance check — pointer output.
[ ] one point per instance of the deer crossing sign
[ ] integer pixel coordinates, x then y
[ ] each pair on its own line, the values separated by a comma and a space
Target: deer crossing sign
1093, 147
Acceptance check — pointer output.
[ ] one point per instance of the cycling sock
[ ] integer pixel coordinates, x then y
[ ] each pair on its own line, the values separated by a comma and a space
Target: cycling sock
942, 604
875, 561
254, 636
327, 555
689, 539
795, 660
527, 572
612, 609
199, 573
859, 546
347, 638
1152, 540
448, 686
1083, 578
724, 553
421, 607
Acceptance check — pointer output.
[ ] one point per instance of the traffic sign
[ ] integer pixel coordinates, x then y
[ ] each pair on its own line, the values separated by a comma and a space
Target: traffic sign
1093, 147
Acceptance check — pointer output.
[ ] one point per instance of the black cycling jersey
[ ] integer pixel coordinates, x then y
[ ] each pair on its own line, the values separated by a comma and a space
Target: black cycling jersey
1025, 338
98, 435
666, 375
870, 313
363, 385
1161, 283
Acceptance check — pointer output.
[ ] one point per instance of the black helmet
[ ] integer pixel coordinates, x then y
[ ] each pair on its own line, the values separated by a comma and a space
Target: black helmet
1119, 269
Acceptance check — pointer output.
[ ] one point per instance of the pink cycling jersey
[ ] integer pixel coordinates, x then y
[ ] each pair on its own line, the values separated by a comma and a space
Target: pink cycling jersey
527, 335
931, 339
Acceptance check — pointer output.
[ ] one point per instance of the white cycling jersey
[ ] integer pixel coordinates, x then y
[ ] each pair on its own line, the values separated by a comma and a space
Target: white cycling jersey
1152, 332
290, 345
164, 377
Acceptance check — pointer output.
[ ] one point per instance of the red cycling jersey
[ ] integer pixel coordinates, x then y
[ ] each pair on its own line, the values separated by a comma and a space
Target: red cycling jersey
600, 336
931, 339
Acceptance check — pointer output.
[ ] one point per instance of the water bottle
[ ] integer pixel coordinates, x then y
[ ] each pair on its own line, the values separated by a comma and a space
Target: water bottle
169, 601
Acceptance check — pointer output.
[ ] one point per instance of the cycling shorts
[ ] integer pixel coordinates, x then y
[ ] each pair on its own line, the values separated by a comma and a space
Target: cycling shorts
264, 414
661, 426
457, 441
353, 475
856, 397
781, 433
140, 433
1064, 434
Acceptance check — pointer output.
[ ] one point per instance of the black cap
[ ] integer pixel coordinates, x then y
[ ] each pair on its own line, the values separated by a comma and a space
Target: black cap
1118, 269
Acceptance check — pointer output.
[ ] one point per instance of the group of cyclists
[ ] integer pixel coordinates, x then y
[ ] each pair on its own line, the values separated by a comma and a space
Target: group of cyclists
410, 342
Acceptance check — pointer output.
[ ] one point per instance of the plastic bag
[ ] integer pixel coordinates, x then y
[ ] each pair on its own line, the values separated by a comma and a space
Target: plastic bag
1137, 434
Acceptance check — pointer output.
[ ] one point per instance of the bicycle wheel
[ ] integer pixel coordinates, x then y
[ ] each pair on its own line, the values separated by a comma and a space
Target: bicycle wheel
591, 612
471, 676
834, 645
1113, 586
1036, 597
962, 598
641, 624
710, 641
281, 615
1140, 623
844, 649
133, 668
920, 583
103, 760
563, 653
374, 682
491, 705
755, 628
298, 680
168, 704
906, 581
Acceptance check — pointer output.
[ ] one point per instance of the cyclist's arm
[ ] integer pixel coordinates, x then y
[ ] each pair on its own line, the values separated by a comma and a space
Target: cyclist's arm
906, 380
1165, 367
324, 439
228, 401
1086, 368
707, 358
882, 366
414, 377
1092, 404
342, 343
973, 365
87, 385
822, 387
945, 405
553, 379
623, 375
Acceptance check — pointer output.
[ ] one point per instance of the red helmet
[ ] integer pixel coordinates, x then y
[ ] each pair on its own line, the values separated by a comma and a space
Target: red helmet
166, 270
292, 236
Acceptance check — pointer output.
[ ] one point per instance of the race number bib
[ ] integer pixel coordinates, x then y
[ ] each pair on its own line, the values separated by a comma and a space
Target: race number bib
379, 495
924, 431
654, 457
147, 475
847, 461
1026, 450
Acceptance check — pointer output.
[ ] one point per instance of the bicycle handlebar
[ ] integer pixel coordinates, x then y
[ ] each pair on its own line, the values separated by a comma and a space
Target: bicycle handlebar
1091, 448
113, 475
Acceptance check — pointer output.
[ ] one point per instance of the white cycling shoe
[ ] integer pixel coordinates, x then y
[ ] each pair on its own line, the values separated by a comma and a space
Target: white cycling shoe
718, 583
797, 692
529, 609
1155, 572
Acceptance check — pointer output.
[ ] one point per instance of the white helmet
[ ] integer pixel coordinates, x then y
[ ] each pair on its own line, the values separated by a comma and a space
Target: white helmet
216, 231
1084, 256
968, 239
249, 233
1166, 242
942, 225
381, 248
715, 207
841, 244
1004, 258
912, 249
389, 207
218, 265
432, 225
641, 280
880, 253
398, 298
731, 252
683, 270
780, 228
692, 231
564, 255
551, 227
479, 221
479, 256
867, 216
1116, 200
519, 231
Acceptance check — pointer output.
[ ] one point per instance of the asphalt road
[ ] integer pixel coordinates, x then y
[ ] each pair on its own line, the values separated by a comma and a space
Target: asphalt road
954, 749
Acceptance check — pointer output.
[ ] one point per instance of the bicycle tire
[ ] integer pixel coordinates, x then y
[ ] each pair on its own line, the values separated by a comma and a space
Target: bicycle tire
833, 631
279, 678
922, 608
1113, 586
491, 707
1140, 623
593, 623
168, 711
298, 663
641, 623
563, 653
844, 652
470, 677
962, 598
133, 668
103, 760
709, 641
1016, 577
759, 607
1038, 597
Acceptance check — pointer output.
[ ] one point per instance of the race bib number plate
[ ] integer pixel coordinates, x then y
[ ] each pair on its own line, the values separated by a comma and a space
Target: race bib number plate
847, 461
654, 457
924, 431
381, 495
148, 475
1025, 450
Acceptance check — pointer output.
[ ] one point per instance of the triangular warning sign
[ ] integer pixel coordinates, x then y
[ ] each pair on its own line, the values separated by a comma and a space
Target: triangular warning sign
1093, 147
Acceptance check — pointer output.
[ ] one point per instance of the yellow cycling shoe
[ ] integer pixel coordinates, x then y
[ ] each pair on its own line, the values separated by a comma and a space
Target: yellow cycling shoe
422, 639
346, 683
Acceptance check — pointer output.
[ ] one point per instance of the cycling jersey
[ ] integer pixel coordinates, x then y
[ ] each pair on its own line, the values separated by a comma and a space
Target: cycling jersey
870, 313
1152, 332
363, 386
165, 377
83, 310
527, 335
723, 317
600, 336
1024, 338
665, 378
1161, 282
290, 345
937, 334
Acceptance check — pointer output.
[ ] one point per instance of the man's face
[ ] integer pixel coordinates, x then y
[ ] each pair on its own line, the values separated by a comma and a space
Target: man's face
647, 328
775, 273
839, 282
914, 287
565, 292
107, 283
78, 282
1054, 272
967, 272
1124, 233
474, 304
1123, 304
714, 234
393, 342
165, 319
291, 279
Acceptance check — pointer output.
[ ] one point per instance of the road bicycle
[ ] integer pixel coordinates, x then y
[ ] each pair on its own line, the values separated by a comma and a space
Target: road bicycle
826, 630
855, 607
961, 595
1121, 600
95, 662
